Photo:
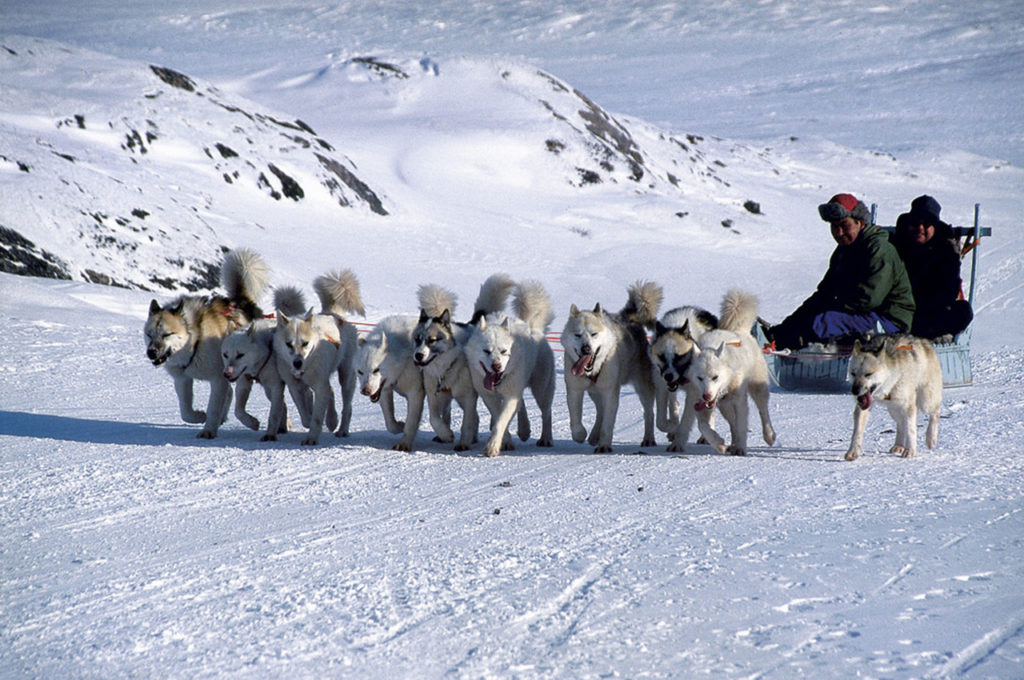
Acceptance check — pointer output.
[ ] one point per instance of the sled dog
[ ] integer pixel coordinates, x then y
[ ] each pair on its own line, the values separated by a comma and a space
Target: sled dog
385, 365
675, 336
440, 354
605, 351
313, 347
248, 356
185, 336
727, 368
507, 354
903, 371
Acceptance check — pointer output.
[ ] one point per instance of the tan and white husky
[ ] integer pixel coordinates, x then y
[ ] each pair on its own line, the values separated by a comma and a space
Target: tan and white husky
903, 372
185, 336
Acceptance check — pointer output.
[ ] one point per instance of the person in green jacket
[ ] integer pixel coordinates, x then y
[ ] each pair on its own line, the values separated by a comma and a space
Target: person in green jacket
865, 289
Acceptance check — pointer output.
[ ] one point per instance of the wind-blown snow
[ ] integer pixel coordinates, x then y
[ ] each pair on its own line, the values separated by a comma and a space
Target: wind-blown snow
131, 548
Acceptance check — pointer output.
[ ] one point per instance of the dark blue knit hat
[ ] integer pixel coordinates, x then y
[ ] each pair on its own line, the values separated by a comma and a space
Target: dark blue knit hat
926, 209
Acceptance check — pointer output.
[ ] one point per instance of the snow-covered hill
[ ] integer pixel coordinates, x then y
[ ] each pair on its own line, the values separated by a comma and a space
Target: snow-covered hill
585, 145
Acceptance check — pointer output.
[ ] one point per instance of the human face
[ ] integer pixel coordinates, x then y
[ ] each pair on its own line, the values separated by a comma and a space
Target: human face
921, 233
846, 230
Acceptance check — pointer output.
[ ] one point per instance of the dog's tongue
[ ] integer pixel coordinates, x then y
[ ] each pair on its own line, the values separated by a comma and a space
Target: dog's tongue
704, 406
580, 367
491, 380
864, 401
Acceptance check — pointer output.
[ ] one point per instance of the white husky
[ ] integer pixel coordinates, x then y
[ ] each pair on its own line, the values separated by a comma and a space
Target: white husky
605, 351
385, 365
439, 352
249, 357
672, 350
313, 347
728, 367
508, 354
904, 372
185, 336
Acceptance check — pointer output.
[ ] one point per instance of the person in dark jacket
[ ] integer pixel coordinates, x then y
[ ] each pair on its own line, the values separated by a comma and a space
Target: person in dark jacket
864, 290
929, 252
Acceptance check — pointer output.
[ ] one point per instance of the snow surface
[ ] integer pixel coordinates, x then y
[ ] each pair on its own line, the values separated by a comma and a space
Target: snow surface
129, 548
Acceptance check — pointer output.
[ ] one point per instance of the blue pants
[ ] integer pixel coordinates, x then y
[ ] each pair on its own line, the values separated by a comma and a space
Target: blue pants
832, 325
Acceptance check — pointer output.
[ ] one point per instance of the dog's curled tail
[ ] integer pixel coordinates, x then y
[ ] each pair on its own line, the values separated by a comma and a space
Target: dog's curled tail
289, 301
339, 292
531, 303
244, 275
493, 295
739, 311
434, 299
643, 303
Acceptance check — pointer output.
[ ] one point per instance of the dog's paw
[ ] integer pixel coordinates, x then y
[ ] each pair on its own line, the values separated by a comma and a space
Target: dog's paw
734, 450
602, 449
852, 454
341, 432
206, 434
462, 447
769, 437
675, 447
249, 421
396, 426
401, 446
579, 434
896, 448
545, 443
647, 443
491, 453
309, 441
194, 417
268, 438
908, 453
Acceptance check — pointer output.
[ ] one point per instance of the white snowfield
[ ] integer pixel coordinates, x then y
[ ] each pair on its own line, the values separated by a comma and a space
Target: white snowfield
130, 548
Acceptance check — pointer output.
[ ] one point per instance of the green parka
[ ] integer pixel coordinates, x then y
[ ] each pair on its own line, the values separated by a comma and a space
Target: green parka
865, 276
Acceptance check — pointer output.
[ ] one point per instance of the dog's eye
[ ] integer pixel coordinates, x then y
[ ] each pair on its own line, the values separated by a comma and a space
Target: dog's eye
868, 375
240, 355
289, 345
579, 335
376, 371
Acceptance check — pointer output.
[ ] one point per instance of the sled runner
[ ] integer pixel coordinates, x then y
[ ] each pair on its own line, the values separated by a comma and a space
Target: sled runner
814, 370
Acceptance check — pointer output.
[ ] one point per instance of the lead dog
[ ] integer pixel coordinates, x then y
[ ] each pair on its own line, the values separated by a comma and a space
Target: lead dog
605, 351
728, 366
904, 372
506, 355
314, 347
440, 355
185, 336
675, 336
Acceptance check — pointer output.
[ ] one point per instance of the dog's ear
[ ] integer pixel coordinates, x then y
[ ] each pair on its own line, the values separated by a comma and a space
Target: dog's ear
308, 315
154, 308
282, 319
720, 350
481, 323
659, 328
423, 315
685, 330
250, 330
574, 311
360, 342
383, 341
856, 347
507, 324
446, 319
597, 308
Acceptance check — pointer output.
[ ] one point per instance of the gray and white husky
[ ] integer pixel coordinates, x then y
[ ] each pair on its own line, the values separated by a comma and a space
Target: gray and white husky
439, 353
904, 372
605, 351
185, 336
385, 365
248, 356
506, 355
728, 367
314, 347
672, 350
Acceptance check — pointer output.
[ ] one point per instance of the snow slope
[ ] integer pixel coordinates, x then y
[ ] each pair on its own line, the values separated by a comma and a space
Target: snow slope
130, 548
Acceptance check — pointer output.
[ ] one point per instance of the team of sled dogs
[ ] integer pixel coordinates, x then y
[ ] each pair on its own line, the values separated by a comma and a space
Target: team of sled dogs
496, 355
